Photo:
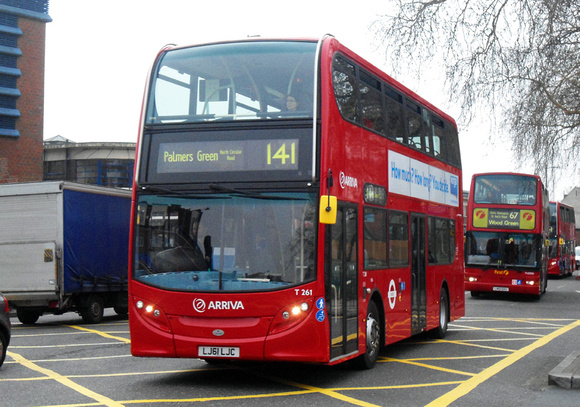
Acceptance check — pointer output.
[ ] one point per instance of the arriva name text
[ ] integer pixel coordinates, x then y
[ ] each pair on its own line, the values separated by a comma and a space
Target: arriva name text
225, 305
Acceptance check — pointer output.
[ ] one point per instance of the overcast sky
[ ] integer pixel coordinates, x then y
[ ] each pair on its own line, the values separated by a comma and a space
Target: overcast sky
98, 55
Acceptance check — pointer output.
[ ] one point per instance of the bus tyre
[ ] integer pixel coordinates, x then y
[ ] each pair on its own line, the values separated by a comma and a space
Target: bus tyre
92, 312
441, 330
26, 316
373, 338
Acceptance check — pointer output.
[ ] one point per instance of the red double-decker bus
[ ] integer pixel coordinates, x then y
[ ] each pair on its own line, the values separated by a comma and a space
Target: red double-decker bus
291, 203
562, 240
506, 242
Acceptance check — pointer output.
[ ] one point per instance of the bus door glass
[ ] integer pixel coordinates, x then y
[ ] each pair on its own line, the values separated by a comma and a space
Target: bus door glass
418, 274
341, 270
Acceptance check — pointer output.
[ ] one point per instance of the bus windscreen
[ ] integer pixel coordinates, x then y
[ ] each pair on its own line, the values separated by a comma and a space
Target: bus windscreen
236, 81
226, 242
505, 189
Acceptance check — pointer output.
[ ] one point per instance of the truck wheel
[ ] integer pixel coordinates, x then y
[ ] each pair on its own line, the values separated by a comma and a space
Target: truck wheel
92, 313
26, 316
3, 345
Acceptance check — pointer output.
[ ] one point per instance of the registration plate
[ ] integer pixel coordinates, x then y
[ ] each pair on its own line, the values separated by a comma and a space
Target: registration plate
219, 352
501, 289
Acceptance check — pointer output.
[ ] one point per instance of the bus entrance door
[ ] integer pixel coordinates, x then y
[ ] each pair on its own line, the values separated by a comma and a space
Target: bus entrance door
418, 274
341, 270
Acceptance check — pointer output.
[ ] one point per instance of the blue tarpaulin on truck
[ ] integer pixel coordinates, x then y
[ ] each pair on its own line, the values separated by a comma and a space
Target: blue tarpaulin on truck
96, 241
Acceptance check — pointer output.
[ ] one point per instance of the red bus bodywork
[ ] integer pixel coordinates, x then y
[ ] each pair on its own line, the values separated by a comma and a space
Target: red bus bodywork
562, 240
324, 320
495, 229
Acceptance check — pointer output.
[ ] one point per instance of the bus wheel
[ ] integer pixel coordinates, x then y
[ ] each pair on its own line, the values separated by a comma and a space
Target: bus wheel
373, 338
441, 330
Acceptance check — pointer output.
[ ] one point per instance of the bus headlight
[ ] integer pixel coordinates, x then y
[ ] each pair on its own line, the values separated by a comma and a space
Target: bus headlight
290, 316
296, 310
152, 314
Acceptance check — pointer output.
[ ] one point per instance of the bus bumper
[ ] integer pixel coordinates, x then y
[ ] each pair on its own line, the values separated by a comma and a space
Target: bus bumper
519, 284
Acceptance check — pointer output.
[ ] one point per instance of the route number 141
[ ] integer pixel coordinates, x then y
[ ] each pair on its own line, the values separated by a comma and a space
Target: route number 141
286, 154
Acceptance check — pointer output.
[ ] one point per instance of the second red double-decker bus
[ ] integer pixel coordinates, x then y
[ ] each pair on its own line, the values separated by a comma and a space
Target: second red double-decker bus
562, 240
506, 246
292, 203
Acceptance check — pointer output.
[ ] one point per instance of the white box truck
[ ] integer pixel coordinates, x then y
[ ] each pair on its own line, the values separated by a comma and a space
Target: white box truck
64, 247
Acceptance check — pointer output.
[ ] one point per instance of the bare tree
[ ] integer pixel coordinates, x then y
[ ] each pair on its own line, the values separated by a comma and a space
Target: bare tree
519, 60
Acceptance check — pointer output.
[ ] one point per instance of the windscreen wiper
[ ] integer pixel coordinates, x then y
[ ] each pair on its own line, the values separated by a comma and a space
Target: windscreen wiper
236, 191
254, 195
157, 189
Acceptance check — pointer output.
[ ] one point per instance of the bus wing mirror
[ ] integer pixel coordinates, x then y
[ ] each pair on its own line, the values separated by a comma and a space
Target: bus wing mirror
328, 209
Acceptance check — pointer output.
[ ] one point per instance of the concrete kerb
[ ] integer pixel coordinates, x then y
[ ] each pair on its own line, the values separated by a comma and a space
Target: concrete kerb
567, 373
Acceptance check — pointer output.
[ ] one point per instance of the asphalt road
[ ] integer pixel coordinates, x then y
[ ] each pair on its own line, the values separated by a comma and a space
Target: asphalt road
499, 354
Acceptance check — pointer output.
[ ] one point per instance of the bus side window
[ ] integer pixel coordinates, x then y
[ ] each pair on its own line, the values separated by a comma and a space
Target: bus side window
438, 138
395, 125
345, 87
375, 238
427, 140
371, 102
452, 143
441, 240
414, 124
398, 239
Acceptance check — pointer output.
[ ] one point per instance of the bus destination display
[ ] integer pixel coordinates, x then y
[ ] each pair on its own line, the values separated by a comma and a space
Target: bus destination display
226, 156
524, 219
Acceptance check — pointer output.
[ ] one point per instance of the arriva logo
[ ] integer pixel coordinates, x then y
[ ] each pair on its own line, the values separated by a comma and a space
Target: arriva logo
200, 306
347, 181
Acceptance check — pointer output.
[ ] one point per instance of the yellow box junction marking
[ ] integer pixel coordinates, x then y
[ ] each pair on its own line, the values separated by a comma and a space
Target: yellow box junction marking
102, 400
470, 384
